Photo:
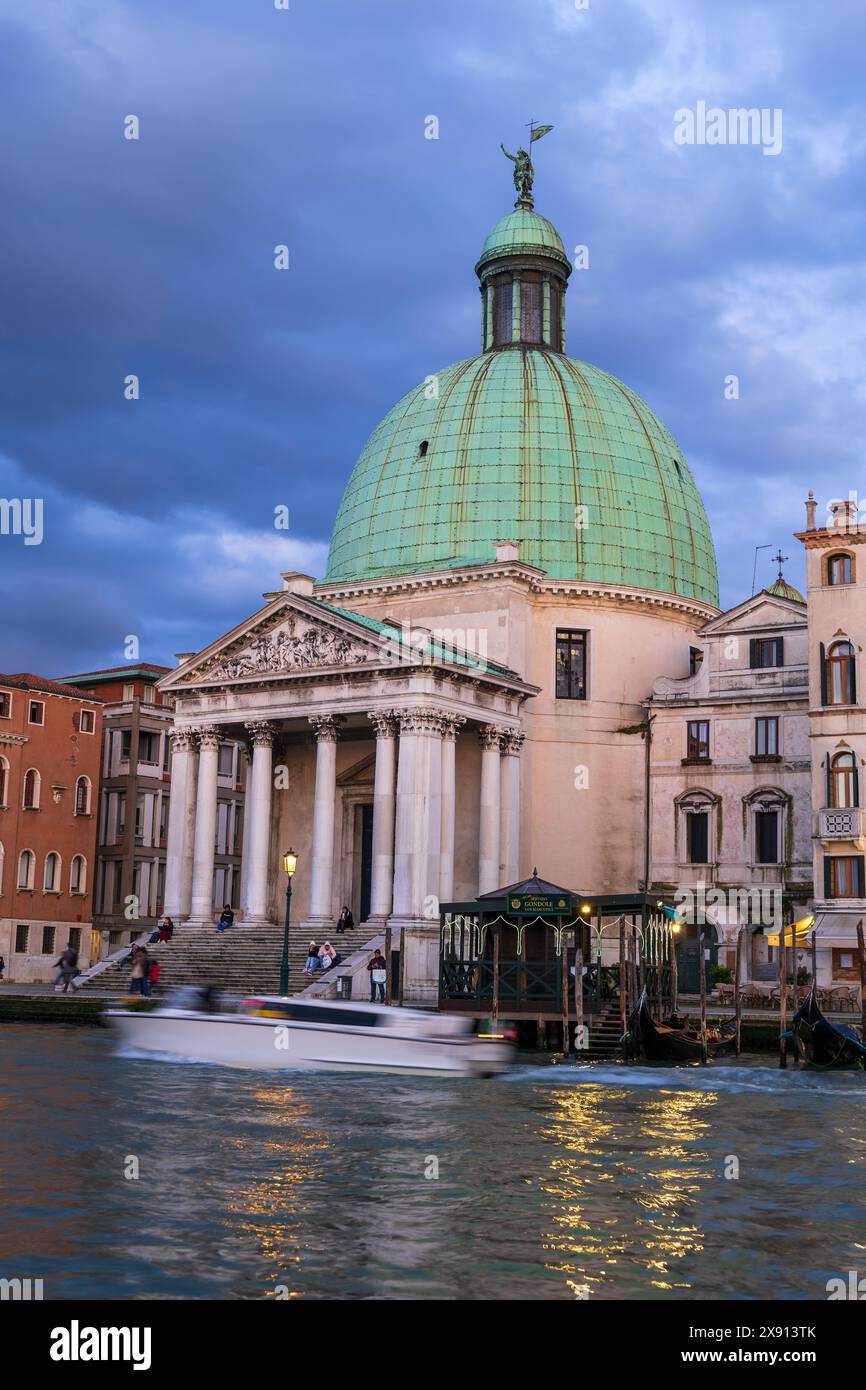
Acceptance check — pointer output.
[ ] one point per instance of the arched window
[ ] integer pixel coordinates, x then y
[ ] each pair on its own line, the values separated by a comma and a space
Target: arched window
82, 796
51, 878
503, 299
26, 868
32, 786
843, 781
840, 569
4, 781
78, 874
840, 674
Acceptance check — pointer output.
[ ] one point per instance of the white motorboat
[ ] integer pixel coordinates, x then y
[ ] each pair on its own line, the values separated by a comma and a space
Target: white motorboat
276, 1033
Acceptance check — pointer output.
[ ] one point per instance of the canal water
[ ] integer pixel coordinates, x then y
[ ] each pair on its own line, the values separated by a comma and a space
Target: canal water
555, 1182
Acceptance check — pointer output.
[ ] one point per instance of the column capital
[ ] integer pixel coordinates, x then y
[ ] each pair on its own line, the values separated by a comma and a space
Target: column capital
490, 735
183, 740
208, 735
384, 722
512, 741
261, 732
451, 726
326, 726
420, 721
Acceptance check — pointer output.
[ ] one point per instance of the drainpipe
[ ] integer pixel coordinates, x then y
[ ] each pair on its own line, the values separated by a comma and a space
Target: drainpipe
647, 856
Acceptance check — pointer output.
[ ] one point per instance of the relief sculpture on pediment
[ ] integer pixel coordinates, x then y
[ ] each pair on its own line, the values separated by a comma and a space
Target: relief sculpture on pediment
294, 647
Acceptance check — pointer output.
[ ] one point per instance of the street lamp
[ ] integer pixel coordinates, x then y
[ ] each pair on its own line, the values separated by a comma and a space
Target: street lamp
290, 864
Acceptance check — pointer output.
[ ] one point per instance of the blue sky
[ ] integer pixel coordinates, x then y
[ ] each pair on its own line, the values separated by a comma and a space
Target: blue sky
259, 388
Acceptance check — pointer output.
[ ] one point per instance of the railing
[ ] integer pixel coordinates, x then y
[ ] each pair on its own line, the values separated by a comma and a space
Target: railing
844, 823
522, 983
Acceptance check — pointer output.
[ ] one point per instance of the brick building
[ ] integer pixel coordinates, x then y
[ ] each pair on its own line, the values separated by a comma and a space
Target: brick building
50, 738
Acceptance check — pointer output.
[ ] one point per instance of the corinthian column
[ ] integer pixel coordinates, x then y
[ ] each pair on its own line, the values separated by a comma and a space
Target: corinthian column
488, 827
324, 805
205, 825
384, 804
419, 815
451, 724
181, 821
257, 807
509, 825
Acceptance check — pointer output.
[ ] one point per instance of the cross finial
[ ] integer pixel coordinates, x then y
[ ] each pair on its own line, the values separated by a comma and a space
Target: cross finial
779, 560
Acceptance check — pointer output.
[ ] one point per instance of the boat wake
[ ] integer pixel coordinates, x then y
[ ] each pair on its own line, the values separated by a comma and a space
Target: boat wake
722, 1078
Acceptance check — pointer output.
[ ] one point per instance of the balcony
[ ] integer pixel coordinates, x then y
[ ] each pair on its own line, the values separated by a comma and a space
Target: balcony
840, 824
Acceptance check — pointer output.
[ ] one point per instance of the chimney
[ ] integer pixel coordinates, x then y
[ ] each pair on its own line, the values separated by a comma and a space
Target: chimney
843, 514
296, 583
507, 551
181, 657
811, 509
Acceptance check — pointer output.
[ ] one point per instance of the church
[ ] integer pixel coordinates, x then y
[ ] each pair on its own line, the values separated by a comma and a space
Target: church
520, 583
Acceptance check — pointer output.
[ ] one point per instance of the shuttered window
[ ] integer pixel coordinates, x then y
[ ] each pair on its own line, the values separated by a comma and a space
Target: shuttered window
698, 829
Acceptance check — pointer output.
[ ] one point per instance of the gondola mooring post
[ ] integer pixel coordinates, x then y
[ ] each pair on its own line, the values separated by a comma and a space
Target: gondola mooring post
578, 996
861, 951
674, 974
623, 979
783, 998
738, 1009
495, 975
565, 1039
815, 962
703, 975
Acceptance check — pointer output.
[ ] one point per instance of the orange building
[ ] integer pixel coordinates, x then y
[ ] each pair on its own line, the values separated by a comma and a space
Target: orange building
50, 741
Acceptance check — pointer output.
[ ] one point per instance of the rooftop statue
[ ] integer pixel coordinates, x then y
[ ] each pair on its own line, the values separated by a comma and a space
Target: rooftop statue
524, 169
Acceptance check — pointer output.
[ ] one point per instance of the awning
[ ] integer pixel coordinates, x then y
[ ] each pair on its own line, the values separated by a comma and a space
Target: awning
830, 928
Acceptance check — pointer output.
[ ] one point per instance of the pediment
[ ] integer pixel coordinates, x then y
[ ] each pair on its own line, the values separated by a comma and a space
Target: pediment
763, 611
289, 638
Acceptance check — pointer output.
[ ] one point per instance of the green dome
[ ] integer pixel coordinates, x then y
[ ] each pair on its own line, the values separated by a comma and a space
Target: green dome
782, 589
522, 233
516, 440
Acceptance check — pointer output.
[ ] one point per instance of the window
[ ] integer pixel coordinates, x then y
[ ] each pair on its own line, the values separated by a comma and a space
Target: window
26, 870
148, 747
51, 877
423, 447
121, 813
502, 308
4, 781
125, 743
555, 316
698, 740
570, 665
22, 935
36, 712
843, 876
75, 938
766, 651
82, 796
530, 308
48, 934
696, 659
839, 682
86, 721
840, 569
698, 837
842, 781
78, 874
128, 692
224, 759
767, 737
139, 818
163, 817
148, 695
767, 837
32, 785
5, 704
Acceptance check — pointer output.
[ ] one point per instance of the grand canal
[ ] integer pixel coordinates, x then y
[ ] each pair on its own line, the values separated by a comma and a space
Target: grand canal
555, 1182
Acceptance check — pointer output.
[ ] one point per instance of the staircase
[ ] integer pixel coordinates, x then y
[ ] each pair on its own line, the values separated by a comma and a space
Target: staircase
237, 961
605, 1032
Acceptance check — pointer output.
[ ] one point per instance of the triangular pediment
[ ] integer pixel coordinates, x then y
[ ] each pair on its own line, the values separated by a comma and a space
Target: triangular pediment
290, 637
760, 612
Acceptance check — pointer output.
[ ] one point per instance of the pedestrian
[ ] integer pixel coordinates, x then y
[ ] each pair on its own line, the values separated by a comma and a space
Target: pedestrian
67, 968
140, 981
312, 964
378, 969
2, 968
345, 921
227, 918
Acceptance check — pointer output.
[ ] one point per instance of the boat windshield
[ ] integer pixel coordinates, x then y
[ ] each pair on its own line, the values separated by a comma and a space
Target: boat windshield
312, 1013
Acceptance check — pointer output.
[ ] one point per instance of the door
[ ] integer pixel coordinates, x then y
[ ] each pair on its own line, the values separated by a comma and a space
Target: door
366, 860
689, 958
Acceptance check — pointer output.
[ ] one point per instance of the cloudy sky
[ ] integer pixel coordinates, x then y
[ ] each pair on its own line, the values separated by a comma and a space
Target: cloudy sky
306, 127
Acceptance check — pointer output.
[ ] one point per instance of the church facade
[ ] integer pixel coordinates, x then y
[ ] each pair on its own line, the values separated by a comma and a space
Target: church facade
521, 559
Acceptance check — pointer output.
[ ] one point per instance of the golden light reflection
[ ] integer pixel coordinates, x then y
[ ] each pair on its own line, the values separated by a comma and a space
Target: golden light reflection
624, 1176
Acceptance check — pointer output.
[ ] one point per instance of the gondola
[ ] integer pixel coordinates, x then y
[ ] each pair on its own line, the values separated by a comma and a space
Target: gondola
659, 1042
822, 1044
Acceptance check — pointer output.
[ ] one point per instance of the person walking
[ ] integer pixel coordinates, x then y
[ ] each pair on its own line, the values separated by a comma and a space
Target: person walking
2, 969
227, 918
140, 981
378, 968
345, 921
67, 968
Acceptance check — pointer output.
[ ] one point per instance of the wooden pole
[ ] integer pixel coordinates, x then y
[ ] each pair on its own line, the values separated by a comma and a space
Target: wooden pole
632, 967
783, 1000
862, 954
495, 975
815, 962
675, 982
738, 1004
623, 980
578, 991
703, 977
387, 965
566, 1042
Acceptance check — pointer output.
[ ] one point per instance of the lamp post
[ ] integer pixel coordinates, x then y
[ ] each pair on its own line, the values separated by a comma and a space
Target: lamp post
290, 863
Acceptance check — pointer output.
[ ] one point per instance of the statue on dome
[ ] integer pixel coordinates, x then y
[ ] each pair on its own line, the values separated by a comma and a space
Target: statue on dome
524, 169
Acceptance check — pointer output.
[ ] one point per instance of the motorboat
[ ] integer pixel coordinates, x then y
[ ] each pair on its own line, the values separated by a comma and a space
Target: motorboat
276, 1033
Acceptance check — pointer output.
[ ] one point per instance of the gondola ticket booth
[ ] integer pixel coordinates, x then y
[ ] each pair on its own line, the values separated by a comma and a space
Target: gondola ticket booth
511, 953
